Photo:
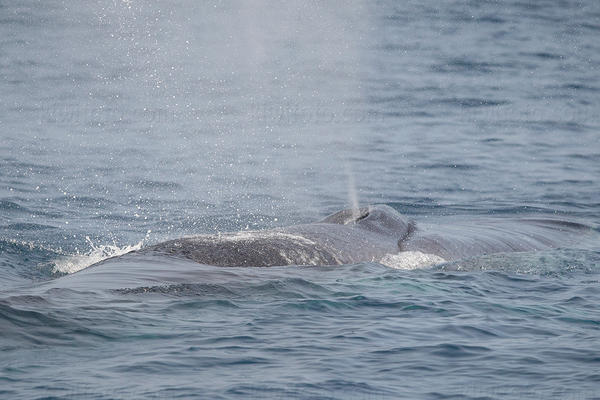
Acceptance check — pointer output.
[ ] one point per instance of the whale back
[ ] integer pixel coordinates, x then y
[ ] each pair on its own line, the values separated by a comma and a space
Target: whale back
348, 216
348, 236
456, 239
377, 219
367, 234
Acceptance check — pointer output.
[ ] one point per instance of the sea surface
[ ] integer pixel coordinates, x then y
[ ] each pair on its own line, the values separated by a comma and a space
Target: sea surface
124, 123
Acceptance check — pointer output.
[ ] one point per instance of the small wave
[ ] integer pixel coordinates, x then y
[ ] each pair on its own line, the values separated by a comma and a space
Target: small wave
144, 183
182, 290
76, 262
27, 226
411, 260
18, 246
471, 102
11, 206
557, 262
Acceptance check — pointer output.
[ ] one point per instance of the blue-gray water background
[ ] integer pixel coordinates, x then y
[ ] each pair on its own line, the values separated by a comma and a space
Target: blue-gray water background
130, 121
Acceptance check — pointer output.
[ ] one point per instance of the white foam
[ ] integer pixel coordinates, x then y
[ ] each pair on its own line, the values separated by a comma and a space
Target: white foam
76, 262
410, 260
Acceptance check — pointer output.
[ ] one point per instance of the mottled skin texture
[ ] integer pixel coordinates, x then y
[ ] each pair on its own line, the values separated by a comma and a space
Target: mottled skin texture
342, 238
367, 235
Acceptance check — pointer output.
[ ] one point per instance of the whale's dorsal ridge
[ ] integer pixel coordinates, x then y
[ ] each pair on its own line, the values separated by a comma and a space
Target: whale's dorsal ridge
347, 216
378, 219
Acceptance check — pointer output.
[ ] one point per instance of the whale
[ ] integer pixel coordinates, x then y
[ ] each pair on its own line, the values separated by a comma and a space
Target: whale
374, 234
368, 234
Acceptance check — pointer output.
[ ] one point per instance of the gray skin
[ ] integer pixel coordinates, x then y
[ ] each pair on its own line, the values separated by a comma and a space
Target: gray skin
347, 237
368, 234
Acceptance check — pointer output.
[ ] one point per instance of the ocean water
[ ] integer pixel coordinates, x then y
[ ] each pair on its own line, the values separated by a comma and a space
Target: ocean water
125, 123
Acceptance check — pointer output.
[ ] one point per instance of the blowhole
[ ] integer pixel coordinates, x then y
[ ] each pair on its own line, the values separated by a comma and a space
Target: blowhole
361, 217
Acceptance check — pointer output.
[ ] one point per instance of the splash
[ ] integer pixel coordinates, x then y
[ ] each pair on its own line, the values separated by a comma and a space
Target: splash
411, 260
76, 262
